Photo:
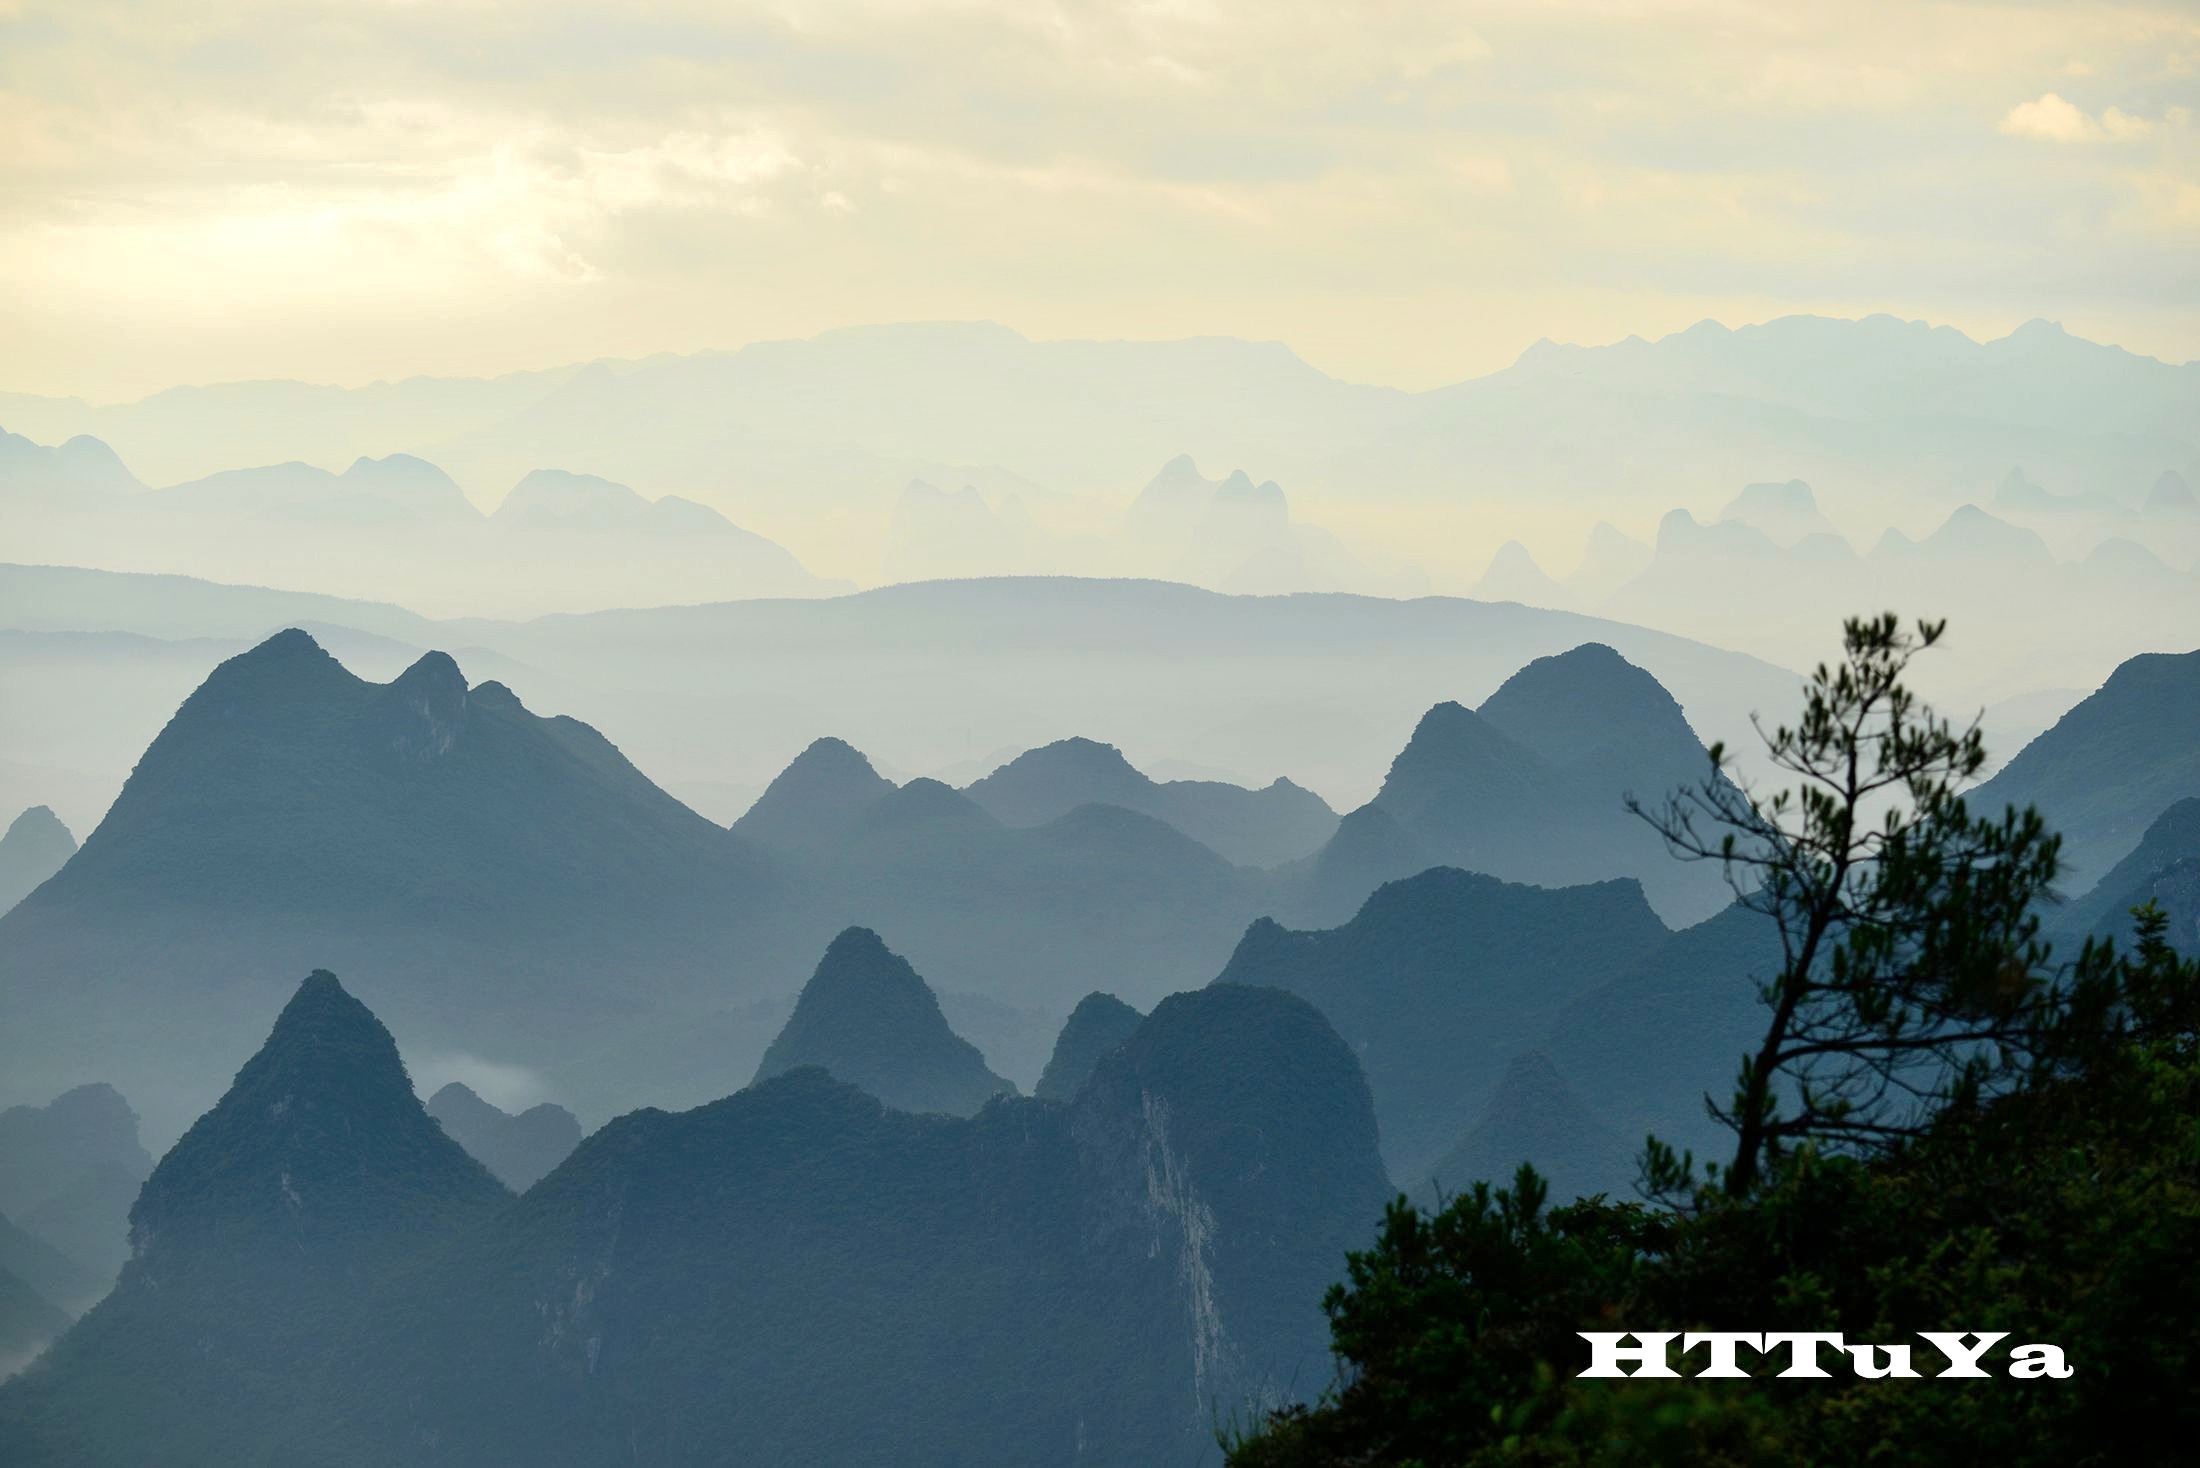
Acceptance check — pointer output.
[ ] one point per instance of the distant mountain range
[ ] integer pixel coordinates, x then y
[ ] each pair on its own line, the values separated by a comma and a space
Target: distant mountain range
1771, 575
956, 449
922, 678
618, 943
398, 525
869, 407
328, 1278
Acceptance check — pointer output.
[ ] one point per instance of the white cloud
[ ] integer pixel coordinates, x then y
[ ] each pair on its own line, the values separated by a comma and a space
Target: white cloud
2050, 118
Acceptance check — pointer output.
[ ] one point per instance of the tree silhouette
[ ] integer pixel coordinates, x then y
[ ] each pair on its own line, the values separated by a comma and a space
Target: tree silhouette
1912, 974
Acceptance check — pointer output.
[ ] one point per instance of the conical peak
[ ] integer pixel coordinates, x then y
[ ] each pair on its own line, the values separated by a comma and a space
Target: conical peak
39, 828
321, 1005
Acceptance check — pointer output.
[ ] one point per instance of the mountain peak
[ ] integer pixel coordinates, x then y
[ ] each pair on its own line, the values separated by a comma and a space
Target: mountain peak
1040, 784
319, 1143
1571, 703
1098, 1024
35, 847
817, 800
869, 1019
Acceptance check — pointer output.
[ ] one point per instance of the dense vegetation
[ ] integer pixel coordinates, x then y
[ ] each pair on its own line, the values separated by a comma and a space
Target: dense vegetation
2042, 1181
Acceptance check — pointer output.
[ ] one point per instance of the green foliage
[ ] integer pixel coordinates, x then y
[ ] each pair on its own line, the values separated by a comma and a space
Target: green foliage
1912, 974
1944, 1130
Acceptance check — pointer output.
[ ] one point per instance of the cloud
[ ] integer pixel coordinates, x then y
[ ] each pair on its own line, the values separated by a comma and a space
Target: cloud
363, 188
2050, 118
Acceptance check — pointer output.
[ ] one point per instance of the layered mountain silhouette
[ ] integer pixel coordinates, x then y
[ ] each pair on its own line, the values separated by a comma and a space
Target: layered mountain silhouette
316, 1176
520, 1148
27, 1321
1098, 1024
416, 830
392, 524
2022, 612
1535, 1117
48, 1273
35, 847
1788, 512
866, 1018
924, 677
325, 1277
1532, 787
1442, 978
397, 488
69, 1171
1100, 888
2164, 868
2112, 766
1644, 1049
1258, 828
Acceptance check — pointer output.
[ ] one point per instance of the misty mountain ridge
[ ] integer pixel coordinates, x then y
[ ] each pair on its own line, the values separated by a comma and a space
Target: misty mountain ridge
1277, 823
69, 1171
1167, 1232
557, 541
414, 829
1535, 1117
2111, 766
519, 1149
1531, 786
1440, 978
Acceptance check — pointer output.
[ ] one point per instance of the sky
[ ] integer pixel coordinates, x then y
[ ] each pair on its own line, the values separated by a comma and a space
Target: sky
1406, 193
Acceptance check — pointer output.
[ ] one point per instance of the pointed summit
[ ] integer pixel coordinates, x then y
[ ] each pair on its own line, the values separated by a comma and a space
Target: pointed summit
35, 847
1098, 1024
869, 1019
1513, 575
307, 1184
817, 800
319, 1144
